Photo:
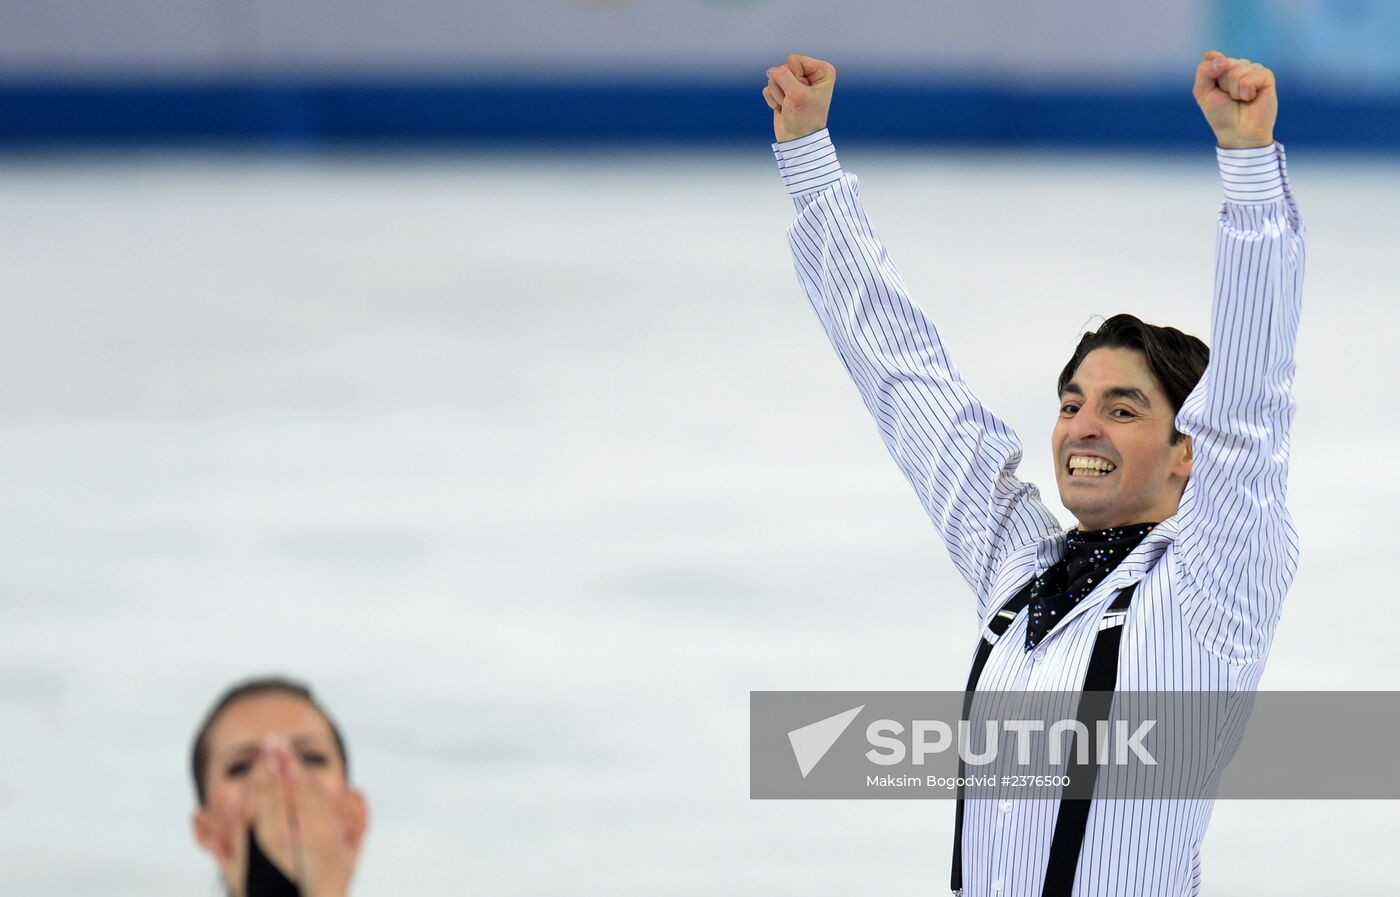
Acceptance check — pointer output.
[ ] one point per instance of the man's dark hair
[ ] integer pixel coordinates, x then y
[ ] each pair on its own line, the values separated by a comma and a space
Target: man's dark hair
1177, 360
263, 685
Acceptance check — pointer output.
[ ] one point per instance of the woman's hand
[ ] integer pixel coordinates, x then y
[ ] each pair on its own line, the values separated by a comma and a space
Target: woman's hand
314, 837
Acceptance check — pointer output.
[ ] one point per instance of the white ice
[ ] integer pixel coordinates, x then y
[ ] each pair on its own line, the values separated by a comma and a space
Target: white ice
535, 463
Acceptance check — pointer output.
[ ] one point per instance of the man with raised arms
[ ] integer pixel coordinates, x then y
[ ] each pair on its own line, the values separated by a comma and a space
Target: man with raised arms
1173, 459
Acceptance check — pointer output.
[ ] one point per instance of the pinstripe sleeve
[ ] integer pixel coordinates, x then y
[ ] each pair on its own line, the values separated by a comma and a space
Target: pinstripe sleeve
960, 458
1238, 549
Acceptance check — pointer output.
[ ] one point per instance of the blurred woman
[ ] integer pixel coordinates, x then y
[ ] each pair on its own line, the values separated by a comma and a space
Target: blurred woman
276, 810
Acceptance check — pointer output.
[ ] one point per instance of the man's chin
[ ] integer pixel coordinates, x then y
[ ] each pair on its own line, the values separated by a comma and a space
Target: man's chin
1081, 509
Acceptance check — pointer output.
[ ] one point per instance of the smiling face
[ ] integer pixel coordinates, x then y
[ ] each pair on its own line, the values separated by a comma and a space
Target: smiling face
1115, 463
235, 742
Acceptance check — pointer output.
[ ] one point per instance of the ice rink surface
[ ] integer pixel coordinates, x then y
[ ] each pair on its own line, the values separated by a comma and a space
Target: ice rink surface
534, 464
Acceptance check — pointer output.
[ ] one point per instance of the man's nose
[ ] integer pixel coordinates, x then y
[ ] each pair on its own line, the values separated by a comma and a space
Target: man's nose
1085, 425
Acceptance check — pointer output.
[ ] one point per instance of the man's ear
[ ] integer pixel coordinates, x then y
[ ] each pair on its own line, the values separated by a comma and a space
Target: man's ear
1183, 464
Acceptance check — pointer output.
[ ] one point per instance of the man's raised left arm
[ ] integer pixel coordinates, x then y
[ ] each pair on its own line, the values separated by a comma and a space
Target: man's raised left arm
1238, 549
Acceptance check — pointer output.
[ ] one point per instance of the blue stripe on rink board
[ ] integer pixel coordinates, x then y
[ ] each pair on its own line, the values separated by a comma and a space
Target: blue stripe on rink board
311, 112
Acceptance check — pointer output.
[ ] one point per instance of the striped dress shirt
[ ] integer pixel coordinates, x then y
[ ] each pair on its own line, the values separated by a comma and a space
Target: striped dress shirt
1210, 580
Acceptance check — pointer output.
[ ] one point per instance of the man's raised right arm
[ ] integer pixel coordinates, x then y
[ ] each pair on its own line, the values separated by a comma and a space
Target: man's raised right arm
960, 458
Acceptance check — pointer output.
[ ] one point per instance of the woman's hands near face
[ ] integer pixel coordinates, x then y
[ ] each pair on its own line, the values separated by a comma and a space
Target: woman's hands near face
313, 836
268, 811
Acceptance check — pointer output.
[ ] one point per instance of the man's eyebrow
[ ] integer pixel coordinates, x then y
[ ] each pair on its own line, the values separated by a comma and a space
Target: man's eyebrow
1131, 393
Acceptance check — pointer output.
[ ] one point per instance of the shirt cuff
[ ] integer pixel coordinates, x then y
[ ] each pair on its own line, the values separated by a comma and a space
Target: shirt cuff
809, 163
1253, 175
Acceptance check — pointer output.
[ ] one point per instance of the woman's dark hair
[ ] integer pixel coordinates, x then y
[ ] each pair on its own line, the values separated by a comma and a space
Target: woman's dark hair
264, 685
1177, 360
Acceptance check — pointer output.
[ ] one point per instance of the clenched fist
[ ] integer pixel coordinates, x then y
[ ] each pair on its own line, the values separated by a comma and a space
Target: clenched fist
799, 93
1239, 100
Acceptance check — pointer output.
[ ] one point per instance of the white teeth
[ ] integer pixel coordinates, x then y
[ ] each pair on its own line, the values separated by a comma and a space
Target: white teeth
1087, 465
